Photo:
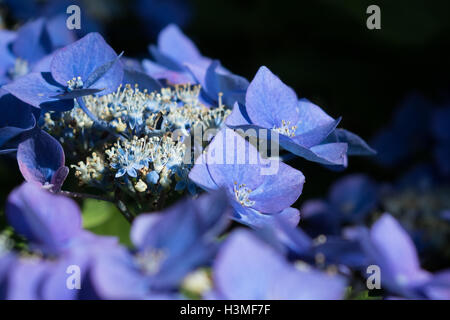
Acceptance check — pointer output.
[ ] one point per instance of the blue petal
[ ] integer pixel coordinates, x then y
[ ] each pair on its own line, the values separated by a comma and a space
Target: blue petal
83, 58
184, 233
48, 221
269, 101
59, 34
247, 268
116, 276
215, 79
144, 81
25, 278
32, 42
232, 86
314, 124
33, 89
176, 46
257, 220
391, 248
58, 178
356, 145
344, 252
39, 157
159, 72
17, 117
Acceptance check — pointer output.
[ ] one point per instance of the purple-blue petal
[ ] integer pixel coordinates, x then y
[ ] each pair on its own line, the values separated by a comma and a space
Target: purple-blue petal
278, 191
269, 101
25, 278
17, 117
356, 145
83, 58
59, 34
247, 268
257, 220
32, 42
39, 90
177, 46
144, 81
159, 72
391, 248
48, 221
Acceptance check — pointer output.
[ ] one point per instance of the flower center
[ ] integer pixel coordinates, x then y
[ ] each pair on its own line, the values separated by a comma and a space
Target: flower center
286, 128
129, 156
242, 194
75, 83
187, 94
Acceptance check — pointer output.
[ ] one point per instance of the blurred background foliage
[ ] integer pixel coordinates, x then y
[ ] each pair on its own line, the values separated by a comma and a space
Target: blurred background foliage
321, 48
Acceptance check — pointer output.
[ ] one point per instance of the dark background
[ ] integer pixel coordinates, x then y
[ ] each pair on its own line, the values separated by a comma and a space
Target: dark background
321, 48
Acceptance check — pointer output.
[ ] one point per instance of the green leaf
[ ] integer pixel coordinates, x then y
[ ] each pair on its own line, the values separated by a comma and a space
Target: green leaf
96, 212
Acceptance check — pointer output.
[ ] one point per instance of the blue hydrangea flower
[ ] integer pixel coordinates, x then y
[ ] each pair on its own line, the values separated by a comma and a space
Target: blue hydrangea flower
350, 200
169, 245
174, 49
52, 226
85, 251
389, 246
256, 195
438, 288
24, 278
178, 61
302, 127
130, 158
85, 67
49, 222
324, 251
37, 278
248, 268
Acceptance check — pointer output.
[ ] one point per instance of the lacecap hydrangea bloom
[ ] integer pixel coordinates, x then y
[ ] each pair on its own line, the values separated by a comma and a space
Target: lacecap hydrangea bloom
180, 145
